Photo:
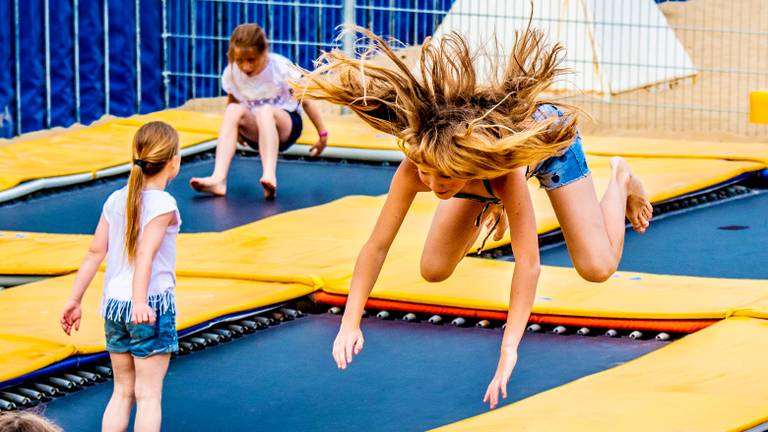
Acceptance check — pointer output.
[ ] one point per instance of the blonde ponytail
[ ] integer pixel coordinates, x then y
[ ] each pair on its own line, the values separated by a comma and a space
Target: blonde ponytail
154, 145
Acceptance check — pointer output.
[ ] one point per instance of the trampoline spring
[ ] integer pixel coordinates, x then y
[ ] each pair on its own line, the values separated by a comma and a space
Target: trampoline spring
410, 317
76, 379
293, 313
17, 399
334, 310
533, 328
560, 330
237, 330
51, 391
266, 322
225, 334
435, 319
459, 322
612, 333
198, 342
103, 371
383, 315
364, 314
185, 347
279, 317
32, 394
504, 326
7, 405
636, 335
91, 377
62, 383
582, 331
251, 326
662, 336
212, 338
483, 324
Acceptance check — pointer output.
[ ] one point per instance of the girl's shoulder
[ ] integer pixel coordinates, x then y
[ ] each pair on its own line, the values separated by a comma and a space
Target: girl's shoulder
159, 198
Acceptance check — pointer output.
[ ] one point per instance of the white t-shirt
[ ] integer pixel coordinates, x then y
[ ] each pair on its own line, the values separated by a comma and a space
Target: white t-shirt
118, 280
270, 87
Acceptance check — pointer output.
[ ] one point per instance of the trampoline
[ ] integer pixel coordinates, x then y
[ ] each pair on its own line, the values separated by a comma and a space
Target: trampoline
412, 375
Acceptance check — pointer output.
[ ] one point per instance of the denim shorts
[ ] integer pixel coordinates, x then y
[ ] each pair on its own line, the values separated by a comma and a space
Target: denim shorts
143, 340
560, 170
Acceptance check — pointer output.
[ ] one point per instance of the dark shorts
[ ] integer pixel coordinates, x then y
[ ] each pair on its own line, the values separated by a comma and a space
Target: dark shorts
143, 340
297, 125
560, 170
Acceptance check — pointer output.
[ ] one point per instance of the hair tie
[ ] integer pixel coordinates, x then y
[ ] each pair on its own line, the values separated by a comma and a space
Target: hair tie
140, 163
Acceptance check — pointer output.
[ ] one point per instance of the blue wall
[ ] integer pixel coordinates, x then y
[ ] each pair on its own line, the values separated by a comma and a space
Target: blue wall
117, 93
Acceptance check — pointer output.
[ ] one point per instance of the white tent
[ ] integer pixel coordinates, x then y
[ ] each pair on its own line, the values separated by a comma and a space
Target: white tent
613, 46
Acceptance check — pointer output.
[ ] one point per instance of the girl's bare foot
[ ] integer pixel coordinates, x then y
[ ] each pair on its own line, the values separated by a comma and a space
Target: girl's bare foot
209, 185
270, 188
639, 208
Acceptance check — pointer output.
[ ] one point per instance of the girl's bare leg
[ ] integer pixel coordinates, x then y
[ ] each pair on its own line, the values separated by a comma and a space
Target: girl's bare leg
594, 231
150, 373
118, 411
236, 117
451, 235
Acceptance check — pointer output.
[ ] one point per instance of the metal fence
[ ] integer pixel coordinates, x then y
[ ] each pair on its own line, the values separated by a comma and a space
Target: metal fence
669, 66
674, 66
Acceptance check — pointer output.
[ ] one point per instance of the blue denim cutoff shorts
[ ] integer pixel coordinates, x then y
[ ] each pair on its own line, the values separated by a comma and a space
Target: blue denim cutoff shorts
560, 170
143, 340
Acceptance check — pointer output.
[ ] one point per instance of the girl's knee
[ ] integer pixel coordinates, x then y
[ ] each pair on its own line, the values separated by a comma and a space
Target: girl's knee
147, 393
124, 391
264, 114
596, 270
435, 271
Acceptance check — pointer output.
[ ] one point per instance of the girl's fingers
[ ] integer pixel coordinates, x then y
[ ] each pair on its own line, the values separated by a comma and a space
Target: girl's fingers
348, 347
77, 324
359, 345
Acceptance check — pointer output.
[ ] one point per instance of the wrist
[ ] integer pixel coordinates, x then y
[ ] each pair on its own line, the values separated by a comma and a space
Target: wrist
323, 134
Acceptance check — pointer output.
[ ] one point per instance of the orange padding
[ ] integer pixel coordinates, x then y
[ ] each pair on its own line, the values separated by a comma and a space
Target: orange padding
674, 326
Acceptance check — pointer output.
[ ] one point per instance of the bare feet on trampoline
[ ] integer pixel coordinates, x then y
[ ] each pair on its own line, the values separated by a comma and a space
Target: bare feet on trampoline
270, 188
209, 185
639, 208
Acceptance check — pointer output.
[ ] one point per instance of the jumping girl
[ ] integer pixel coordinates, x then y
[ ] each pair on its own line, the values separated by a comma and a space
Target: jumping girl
137, 234
474, 146
261, 111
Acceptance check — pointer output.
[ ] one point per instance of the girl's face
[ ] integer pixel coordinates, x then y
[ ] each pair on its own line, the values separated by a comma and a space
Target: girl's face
249, 61
444, 187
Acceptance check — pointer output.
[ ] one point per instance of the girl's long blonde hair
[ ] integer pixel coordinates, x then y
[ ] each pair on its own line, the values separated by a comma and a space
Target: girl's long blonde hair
445, 120
154, 145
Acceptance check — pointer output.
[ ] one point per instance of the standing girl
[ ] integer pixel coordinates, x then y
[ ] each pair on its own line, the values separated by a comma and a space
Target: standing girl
261, 111
474, 146
137, 234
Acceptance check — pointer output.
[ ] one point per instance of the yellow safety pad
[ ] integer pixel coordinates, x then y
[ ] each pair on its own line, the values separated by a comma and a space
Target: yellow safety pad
188, 121
75, 151
29, 315
485, 284
41, 254
23, 354
713, 380
682, 149
349, 132
758, 107
313, 231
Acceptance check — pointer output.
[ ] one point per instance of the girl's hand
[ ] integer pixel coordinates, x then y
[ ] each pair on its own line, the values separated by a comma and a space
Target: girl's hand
142, 314
503, 372
70, 316
319, 146
349, 342
496, 213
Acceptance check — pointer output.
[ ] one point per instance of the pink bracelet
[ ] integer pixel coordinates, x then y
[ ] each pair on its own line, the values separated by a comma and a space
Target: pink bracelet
323, 134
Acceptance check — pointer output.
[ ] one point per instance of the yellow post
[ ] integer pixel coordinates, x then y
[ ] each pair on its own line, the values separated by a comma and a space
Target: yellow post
758, 107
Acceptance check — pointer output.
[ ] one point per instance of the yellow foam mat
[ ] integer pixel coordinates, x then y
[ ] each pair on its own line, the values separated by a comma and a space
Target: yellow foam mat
484, 284
714, 380
348, 220
29, 315
76, 151
190, 121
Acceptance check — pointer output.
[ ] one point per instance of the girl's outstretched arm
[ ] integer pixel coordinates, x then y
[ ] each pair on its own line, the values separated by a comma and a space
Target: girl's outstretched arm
70, 316
513, 190
313, 111
146, 249
402, 191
